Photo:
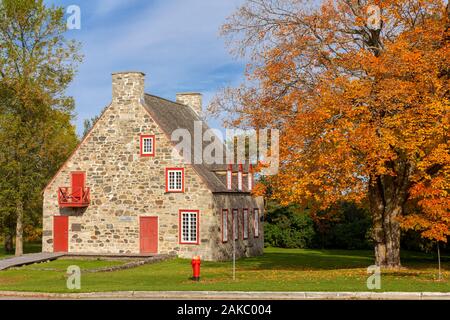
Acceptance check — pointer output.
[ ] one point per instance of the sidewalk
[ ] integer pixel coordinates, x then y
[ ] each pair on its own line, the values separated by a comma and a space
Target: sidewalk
227, 295
29, 258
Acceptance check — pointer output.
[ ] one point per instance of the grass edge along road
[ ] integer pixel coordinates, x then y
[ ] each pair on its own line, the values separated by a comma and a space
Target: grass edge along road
277, 270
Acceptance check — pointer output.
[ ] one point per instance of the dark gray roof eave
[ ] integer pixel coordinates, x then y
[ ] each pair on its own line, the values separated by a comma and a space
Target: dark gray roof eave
232, 192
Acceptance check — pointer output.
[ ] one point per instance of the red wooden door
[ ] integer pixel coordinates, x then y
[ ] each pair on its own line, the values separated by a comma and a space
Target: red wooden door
149, 234
78, 182
60, 233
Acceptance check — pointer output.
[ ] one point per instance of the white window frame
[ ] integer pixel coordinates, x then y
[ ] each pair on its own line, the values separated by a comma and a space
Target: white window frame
187, 232
256, 222
175, 182
148, 152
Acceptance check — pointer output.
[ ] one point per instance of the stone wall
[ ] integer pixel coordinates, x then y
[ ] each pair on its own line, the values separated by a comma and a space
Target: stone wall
191, 99
252, 246
127, 87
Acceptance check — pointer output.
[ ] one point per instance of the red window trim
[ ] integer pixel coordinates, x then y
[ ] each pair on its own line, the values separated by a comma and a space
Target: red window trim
141, 144
180, 237
243, 220
225, 211
254, 229
182, 180
235, 238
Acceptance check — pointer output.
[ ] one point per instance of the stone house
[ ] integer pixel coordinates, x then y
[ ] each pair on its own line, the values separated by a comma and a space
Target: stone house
124, 191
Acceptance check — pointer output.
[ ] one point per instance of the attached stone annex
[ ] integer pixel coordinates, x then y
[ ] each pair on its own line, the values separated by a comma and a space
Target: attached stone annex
123, 191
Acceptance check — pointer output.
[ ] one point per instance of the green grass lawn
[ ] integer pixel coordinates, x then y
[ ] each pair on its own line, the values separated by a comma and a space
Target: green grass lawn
276, 270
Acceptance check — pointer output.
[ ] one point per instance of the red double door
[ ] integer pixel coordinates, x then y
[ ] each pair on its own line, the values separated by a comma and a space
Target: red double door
148, 234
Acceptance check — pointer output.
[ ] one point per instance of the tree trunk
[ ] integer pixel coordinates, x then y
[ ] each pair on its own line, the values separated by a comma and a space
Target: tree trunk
19, 228
386, 205
8, 242
387, 239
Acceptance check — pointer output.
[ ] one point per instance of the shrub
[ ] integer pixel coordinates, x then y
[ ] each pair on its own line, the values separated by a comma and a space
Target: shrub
346, 227
32, 234
288, 227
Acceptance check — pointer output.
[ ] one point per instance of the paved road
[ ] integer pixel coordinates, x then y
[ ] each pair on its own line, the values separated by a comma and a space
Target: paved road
230, 295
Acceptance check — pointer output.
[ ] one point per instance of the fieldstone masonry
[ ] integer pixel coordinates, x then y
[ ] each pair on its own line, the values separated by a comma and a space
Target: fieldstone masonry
191, 99
125, 186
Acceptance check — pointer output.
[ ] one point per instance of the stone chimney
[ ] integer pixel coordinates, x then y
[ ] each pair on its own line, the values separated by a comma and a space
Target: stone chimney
191, 99
127, 87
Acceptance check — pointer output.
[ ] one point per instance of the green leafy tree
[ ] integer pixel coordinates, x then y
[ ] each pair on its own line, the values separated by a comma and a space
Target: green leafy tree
89, 123
37, 63
288, 226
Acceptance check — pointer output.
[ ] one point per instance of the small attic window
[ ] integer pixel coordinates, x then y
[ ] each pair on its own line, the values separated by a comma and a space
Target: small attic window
147, 145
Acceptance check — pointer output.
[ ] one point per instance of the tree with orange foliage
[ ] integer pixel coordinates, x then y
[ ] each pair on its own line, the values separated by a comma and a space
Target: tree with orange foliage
362, 105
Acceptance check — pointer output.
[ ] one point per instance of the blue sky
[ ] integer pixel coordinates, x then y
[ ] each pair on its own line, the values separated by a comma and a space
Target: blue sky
175, 42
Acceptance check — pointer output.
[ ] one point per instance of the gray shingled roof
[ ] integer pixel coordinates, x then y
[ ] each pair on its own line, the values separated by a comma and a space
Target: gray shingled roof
170, 116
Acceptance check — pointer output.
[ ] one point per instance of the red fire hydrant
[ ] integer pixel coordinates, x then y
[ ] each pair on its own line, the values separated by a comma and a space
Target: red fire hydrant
196, 268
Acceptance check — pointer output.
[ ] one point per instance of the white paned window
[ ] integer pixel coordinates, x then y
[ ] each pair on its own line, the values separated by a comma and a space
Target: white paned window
245, 222
175, 179
189, 226
147, 145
